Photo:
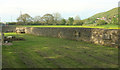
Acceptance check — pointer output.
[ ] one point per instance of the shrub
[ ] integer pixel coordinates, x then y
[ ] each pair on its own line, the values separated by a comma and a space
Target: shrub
78, 22
70, 21
101, 22
12, 23
63, 22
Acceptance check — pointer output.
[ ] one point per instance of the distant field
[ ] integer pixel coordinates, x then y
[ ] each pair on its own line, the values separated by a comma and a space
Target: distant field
102, 26
47, 52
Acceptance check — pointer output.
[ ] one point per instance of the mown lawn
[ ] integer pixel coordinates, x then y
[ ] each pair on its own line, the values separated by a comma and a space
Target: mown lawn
47, 52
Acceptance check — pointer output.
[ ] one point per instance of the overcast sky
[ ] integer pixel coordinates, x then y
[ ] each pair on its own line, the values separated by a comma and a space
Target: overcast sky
10, 9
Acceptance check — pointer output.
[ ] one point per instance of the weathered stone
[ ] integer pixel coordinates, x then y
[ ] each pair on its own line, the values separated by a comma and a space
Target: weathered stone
106, 37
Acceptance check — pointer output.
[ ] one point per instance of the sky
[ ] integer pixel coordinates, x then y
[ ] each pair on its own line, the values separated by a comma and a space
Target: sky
10, 9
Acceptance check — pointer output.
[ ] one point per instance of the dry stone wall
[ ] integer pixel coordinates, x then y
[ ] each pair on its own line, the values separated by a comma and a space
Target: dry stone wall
8, 29
107, 37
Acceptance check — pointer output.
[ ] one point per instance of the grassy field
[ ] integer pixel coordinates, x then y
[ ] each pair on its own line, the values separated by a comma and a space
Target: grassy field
47, 52
102, 26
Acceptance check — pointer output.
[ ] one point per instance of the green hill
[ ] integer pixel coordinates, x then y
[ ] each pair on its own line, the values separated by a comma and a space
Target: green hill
109, 15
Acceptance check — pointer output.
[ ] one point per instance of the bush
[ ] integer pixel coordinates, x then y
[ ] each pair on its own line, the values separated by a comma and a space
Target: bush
12, 23
101, 22
63, 22
78, 22
70, 21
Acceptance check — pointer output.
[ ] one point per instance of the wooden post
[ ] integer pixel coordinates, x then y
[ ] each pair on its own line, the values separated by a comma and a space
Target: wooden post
0, 46
1, 50
2, 35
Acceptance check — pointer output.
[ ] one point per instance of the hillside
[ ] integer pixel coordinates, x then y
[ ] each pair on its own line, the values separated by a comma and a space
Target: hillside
108, 15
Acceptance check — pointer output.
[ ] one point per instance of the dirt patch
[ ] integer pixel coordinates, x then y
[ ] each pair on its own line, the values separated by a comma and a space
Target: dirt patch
8, 44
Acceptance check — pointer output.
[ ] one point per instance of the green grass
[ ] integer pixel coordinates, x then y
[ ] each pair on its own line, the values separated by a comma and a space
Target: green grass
47, 52
73, 26
109, 26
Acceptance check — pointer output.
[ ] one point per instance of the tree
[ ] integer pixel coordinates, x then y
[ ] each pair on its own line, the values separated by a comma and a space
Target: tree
48, 18
70, 21
77, 18
37, 19
78, 21
63, 21
24, 18
57, 17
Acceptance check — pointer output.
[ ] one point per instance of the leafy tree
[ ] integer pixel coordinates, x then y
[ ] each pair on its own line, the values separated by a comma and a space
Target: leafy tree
37, 19
57, 17
24, 18
77, 18
48, 18
70, 21
63, 21
78, 21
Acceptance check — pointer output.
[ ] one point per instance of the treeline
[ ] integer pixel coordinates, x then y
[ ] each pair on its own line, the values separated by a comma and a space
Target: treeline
109, 17
47, 19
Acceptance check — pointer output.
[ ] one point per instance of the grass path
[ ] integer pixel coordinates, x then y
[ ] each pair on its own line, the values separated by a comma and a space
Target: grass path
47, 52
